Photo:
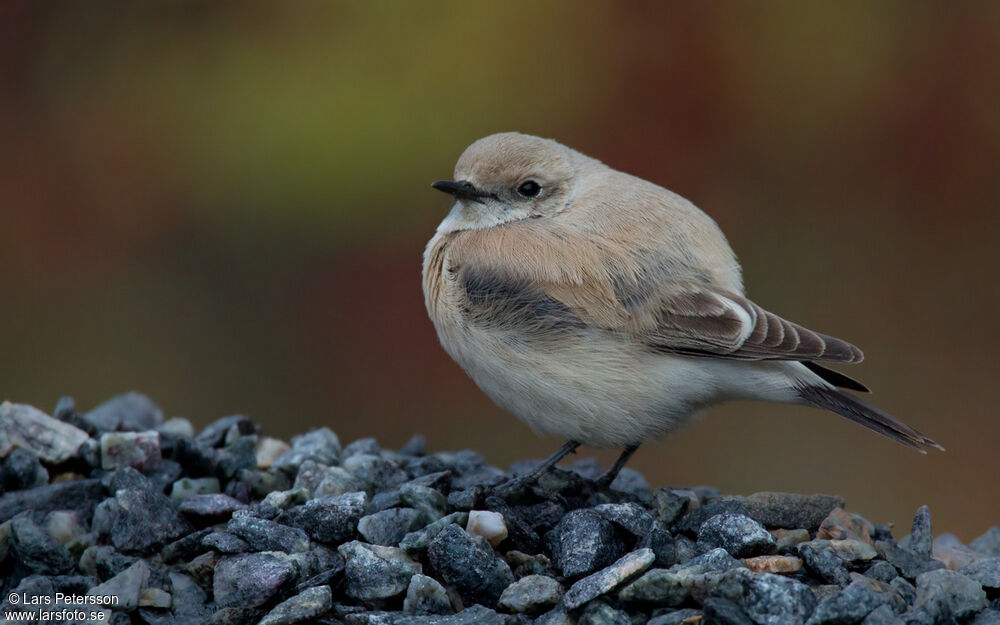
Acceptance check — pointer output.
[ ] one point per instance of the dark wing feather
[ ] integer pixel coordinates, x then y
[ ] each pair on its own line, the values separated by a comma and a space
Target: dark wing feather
699, 321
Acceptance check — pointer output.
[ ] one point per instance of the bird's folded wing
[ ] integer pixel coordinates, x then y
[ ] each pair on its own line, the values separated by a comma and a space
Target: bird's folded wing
695, 320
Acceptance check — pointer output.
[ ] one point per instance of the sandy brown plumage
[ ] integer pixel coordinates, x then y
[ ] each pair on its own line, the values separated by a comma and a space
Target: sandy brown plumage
607, 309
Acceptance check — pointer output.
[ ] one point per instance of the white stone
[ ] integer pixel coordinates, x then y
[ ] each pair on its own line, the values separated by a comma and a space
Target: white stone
490, 525
28, 427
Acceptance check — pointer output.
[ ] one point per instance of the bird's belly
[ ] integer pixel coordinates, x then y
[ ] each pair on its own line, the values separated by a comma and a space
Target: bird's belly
592, 387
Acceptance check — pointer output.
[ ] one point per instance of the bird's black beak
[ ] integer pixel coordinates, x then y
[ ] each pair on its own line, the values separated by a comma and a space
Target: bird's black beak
463, 190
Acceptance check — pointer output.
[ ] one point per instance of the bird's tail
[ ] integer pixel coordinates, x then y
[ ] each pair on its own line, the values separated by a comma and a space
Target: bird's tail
867, 415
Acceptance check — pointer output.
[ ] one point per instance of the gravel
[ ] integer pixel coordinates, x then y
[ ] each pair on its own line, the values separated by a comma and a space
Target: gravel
228, 526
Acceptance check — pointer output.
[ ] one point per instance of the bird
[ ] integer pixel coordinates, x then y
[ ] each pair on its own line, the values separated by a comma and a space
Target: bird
605, 310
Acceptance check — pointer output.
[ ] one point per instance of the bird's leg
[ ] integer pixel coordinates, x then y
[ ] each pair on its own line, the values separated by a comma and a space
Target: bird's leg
548, 463
612, 473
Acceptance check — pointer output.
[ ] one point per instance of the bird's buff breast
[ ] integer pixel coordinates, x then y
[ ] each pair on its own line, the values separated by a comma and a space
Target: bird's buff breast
585, 386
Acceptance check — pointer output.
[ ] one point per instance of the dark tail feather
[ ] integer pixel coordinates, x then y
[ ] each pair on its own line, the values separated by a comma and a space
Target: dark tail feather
869, 416
835, 377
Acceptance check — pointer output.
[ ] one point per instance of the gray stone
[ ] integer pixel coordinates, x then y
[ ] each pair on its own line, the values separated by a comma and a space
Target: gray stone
681, 583
375, 472
776, 600
985, 571
683, 616
989, 543
719, 611
883, 615
373, 572
22, 470
921, 536
139, 450
215, 506
882, 571
425, 595
266, 535
608, 579
820, 558
308, 604
630, 516
855, 602
29, 428
904, 589
186, 487
330, 520
662, 542
188, 604
224, 542
36, 550
986, 617
583, 542
531, 594
142, 518
416, 446
130, 411
469, 565
852, 551
910, 564
127, 586
691, 522
388, 527
962, 595
216, 433
419, 540
789, 510
600, 613
361, 446
739, 535
103, 562
669, 506
320, 446
430, 502
252, 579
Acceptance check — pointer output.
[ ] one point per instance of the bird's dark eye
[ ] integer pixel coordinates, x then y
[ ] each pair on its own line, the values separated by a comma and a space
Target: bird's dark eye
529, 188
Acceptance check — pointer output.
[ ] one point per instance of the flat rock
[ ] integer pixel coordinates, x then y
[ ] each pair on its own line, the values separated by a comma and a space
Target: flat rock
126, 586
739, 535
388, 527
855, 602
211, 506
308, 604
962, 595
36, 550
373, 572
608, 579
531, 594
29, 428
130, 411
842, 525
251, 579
789, 510
775, 600
773, 564
330, 520
267, 535
989, 543
142, 519
986, 572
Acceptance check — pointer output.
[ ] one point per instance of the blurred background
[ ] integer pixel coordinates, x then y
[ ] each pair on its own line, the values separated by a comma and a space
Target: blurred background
224, 206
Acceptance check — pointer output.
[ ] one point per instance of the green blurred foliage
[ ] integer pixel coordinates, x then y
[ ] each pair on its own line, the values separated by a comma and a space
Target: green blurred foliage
224, 205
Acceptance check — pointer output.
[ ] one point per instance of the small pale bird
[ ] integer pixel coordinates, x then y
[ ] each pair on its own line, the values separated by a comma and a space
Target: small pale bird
605, 310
